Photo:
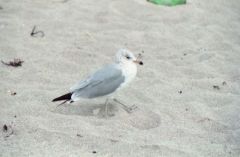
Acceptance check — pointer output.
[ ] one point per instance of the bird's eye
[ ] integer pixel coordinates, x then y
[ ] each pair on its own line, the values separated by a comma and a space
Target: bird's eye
128, 57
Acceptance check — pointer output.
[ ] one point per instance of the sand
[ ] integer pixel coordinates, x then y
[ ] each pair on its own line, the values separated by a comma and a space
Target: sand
187, 93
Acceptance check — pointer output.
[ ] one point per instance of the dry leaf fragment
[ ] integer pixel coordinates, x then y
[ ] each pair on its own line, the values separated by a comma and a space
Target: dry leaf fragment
15, 63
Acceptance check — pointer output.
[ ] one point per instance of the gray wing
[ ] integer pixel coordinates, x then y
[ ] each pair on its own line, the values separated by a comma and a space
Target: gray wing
103, 82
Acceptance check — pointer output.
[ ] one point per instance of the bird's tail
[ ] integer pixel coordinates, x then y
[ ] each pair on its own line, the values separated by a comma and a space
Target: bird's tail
63, 97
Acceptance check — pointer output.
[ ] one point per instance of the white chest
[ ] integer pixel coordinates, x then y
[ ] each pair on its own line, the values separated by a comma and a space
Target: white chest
129, 72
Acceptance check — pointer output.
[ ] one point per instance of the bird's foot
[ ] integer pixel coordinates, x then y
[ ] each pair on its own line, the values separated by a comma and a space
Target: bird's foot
128, 109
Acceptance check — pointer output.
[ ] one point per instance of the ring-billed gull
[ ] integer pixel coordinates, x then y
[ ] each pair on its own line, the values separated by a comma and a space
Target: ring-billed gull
105, 81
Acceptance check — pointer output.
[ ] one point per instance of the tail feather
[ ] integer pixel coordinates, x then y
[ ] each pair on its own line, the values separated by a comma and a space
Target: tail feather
63, 97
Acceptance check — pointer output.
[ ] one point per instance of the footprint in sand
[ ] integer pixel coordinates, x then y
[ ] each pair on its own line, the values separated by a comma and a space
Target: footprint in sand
143, 120
138, 118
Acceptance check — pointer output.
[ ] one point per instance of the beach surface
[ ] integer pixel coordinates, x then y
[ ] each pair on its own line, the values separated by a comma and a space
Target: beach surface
187, 93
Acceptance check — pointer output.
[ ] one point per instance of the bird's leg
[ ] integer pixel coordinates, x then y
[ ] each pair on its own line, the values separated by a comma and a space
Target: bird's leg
129, 109
106, 108
68, 101
62, 103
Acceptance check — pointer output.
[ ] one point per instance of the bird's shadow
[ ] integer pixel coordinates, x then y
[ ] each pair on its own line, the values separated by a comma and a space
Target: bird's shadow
139, 118
87, 109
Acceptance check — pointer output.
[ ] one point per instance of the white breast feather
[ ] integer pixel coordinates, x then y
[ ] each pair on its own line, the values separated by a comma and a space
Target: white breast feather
129, 72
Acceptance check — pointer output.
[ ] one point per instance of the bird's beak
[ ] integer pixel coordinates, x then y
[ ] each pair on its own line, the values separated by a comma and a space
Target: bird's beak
138, 62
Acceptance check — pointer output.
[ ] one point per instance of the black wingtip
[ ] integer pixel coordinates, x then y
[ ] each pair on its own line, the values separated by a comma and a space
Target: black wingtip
54, 100
63, 97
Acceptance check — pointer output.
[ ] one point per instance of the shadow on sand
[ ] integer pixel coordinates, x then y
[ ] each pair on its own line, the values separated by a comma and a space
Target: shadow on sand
138, 118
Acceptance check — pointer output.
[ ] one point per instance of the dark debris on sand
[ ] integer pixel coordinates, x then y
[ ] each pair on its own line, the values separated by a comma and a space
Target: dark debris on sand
216, 87
7, 130
35, 33
15, 63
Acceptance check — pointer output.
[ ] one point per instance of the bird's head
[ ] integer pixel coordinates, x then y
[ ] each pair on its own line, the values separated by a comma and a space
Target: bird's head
126, 56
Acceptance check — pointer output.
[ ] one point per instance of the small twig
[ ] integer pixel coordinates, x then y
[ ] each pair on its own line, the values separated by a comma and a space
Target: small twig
34, 33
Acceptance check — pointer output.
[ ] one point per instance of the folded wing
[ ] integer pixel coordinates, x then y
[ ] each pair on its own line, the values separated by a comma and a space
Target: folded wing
103, 82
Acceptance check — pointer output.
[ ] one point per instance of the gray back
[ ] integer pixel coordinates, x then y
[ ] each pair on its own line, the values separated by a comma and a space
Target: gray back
103, 82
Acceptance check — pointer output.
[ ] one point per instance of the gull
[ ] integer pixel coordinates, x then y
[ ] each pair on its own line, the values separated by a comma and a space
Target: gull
106, 81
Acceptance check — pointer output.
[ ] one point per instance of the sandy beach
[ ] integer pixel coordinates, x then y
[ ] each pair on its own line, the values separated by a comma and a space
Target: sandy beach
187, 92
